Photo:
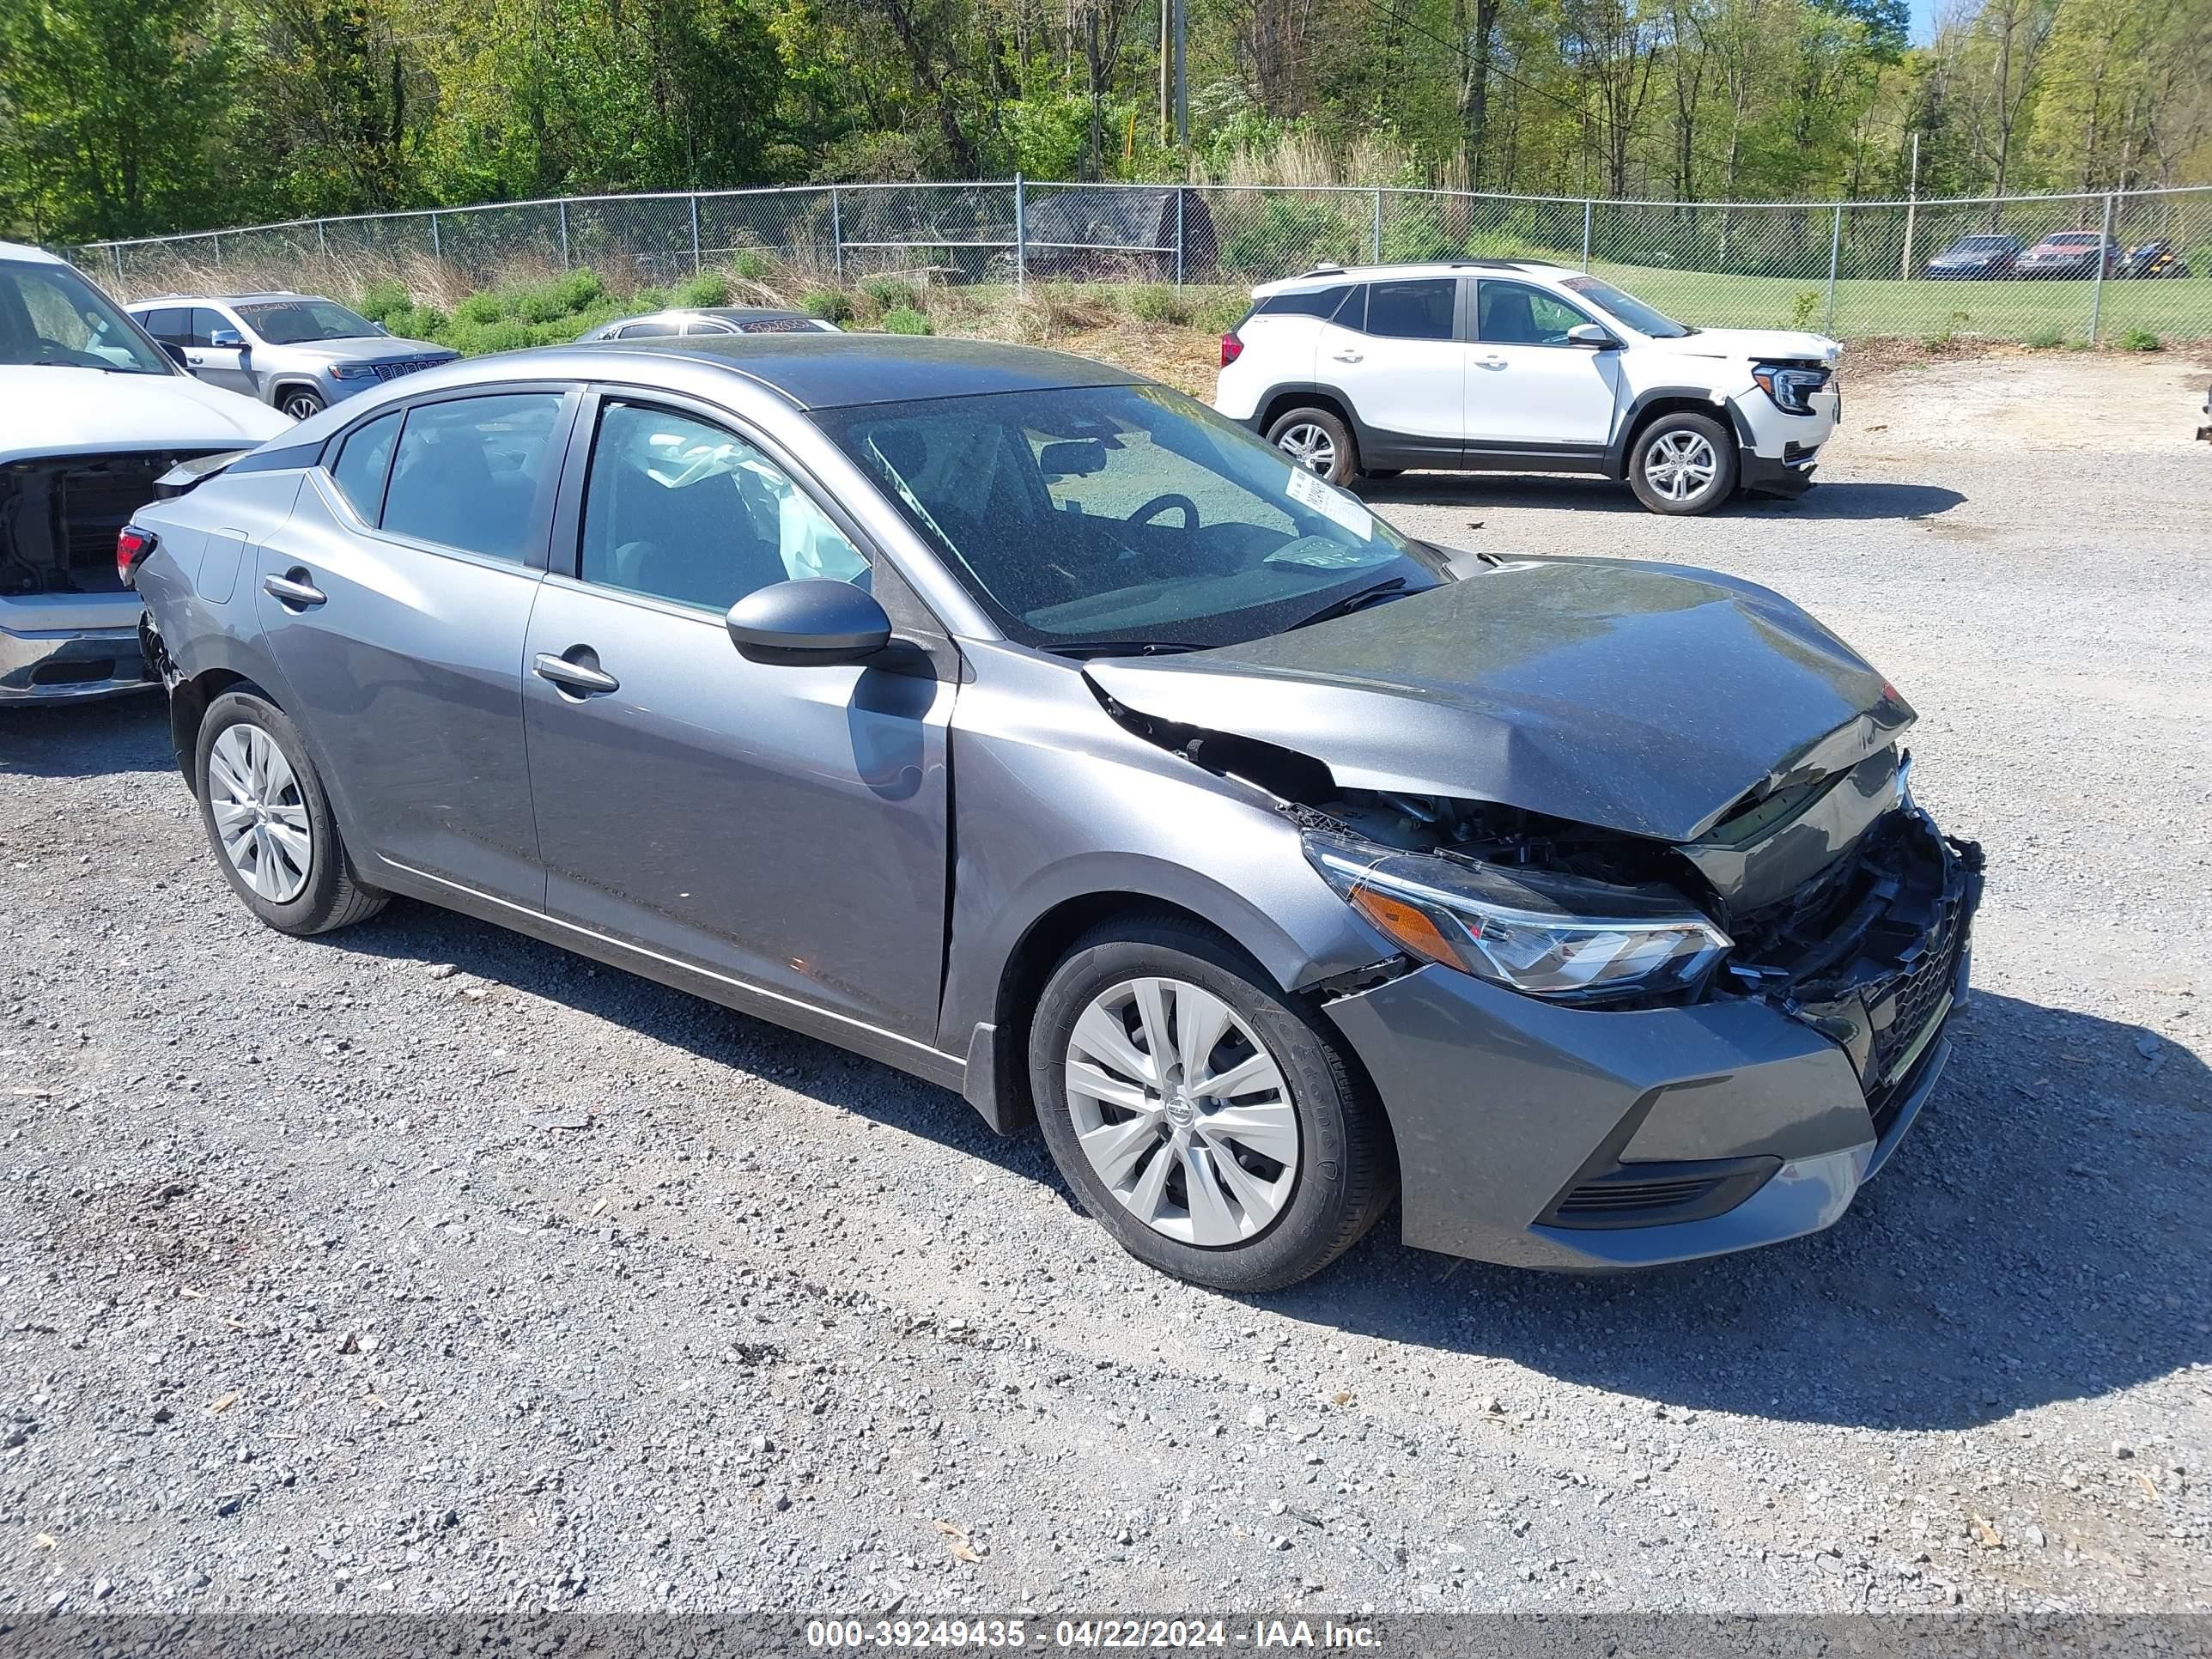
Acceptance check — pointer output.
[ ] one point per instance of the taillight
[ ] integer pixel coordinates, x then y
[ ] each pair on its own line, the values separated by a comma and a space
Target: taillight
1232, 348
131, 545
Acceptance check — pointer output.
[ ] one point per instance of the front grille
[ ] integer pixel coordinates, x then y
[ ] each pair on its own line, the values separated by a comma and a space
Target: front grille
393, 371
1794, 451
58, 518
1649, 1194
1609, 1197
1919, 995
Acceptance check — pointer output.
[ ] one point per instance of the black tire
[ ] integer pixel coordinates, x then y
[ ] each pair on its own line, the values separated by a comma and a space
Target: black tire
334, 896
300, 402
1346, 1174
1670, 429
1383, 474
1343, 453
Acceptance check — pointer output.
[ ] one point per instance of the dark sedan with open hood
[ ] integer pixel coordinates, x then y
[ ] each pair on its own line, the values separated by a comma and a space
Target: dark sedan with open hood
1027, 727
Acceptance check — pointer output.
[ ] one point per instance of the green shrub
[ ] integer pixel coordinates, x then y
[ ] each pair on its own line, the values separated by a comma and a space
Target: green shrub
422, 322
1802, 307
2141, 339
546, 303
906, 320
891, 294
1157, 303
1943, 336
751, 265
649, 299
2045, 338
578, 289
479, 308
383, 299
831, 305
708, 287
503, 335
1294, 232
1220, 311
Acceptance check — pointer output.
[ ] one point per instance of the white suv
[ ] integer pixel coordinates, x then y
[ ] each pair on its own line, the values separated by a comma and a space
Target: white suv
1514, 366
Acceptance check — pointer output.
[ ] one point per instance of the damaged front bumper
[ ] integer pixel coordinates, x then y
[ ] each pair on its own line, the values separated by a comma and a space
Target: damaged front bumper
1543, 1135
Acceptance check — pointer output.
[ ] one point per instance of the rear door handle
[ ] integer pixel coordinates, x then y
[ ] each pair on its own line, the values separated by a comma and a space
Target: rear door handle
294, 590
1347, 357
1490, 362
586, 679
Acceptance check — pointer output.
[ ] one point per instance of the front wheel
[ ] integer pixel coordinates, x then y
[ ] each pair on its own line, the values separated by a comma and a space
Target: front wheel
300, 403
1317, 440
1209, 1125
1683, 464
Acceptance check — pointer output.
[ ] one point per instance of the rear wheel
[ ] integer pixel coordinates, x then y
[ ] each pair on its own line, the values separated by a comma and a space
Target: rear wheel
1209, 1125
269, 820
1319, 442
1683, 464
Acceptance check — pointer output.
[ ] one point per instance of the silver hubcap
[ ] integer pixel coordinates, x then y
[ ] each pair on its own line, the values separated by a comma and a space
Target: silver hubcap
1310, 447
259, 813
1680, 464
1183, 1111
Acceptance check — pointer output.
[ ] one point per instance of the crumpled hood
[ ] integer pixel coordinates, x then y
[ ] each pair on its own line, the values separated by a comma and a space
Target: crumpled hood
1762, 343
1644, 698
78, 411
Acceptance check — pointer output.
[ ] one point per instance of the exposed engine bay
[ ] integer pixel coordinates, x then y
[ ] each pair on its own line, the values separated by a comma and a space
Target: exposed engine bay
59, 516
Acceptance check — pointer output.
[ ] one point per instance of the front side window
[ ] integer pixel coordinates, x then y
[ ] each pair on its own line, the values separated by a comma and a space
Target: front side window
677, 509
296, 322
51, 317
204, 324
468, 470
1513, 314
363, 464
1105, 518
1413, 310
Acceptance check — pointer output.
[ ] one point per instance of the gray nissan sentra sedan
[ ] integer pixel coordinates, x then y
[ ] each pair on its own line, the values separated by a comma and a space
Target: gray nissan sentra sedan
1020, 723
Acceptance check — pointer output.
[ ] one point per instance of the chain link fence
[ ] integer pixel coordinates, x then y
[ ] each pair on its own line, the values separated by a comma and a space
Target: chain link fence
2047, 270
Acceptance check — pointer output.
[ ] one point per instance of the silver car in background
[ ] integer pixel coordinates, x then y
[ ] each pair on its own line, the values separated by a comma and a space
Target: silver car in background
297, 352
1024, 724
709, 319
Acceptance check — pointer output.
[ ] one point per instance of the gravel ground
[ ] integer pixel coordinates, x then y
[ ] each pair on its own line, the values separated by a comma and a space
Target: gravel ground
427, 1267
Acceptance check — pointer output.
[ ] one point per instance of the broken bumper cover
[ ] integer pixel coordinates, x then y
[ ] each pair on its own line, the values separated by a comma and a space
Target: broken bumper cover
70, 665
1542, 1135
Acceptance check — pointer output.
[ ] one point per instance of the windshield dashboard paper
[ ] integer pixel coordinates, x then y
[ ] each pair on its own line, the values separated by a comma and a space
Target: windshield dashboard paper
1310, 491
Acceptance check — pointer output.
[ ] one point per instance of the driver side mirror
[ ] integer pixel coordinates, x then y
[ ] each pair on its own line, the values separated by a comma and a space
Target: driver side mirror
227, 339
810, 621
1593, 337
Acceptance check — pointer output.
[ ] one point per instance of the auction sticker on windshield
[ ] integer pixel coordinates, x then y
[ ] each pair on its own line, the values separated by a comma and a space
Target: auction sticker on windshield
1310, 491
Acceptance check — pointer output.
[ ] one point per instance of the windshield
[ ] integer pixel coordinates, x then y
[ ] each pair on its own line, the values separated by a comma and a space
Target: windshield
51, 315
1982, 244
2074, 239
1121, 517
1629, 309
292, 322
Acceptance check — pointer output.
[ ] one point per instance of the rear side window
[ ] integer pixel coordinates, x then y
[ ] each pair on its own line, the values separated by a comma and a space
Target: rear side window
363, 462
170, 323
655, 331
467, 473
1309, 303
1419, 310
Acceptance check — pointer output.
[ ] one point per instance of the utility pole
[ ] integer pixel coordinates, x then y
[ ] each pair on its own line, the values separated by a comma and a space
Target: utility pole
1179, 10
1911, 208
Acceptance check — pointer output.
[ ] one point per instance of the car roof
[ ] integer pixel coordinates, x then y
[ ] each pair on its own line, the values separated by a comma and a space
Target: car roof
225, 298
1328, 276
834, 371
29, 255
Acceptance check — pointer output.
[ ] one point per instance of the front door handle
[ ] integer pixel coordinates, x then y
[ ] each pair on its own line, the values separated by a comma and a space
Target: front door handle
584, 677
1490, 362
1347, 357
293, 591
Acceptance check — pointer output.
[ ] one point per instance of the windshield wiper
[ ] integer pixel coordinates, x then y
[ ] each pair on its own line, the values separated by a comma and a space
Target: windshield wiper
1358, 599
1086, 649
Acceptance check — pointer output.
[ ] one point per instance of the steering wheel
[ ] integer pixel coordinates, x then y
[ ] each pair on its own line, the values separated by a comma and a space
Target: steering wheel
1160, 504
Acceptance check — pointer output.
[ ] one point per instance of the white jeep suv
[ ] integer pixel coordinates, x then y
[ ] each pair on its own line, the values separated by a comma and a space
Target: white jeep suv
1514, 366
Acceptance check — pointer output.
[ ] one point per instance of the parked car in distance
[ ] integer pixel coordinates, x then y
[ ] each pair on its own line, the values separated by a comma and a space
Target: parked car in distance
2153, 259
2069, 253
1985, 256
297, 352
91, 414
1296, 861
709, 319
1514, 366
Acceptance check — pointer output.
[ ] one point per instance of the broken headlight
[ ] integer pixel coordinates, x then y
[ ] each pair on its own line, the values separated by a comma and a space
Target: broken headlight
1533, 931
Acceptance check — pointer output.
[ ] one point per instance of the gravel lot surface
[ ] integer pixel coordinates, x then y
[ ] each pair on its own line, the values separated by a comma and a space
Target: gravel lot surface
426, 1266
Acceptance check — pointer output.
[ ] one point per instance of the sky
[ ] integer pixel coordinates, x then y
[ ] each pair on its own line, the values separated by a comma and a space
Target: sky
1924, 21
